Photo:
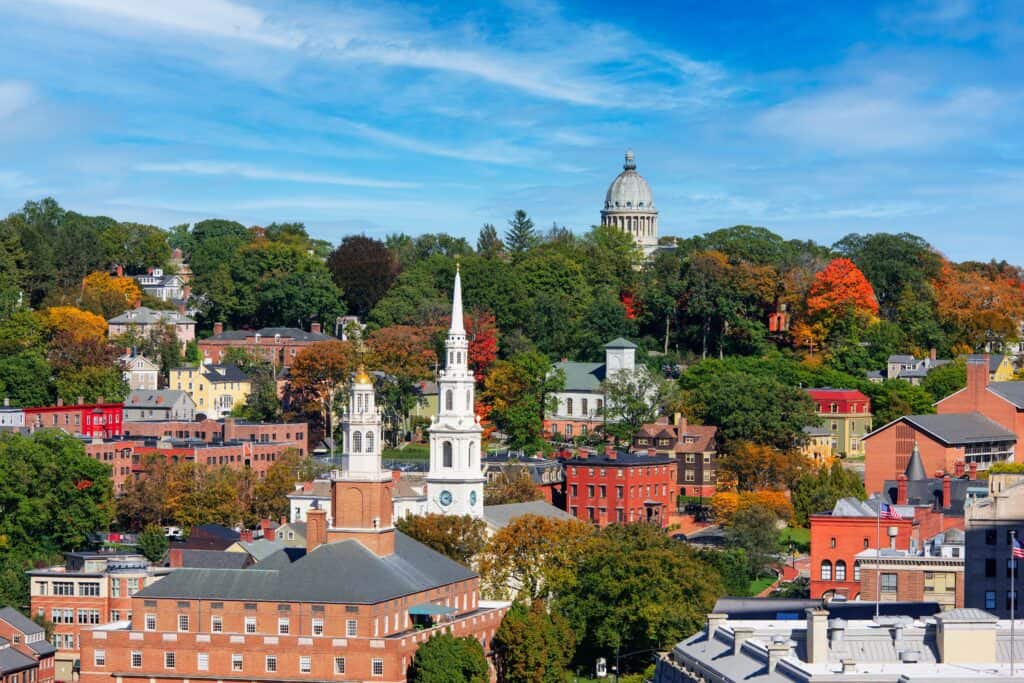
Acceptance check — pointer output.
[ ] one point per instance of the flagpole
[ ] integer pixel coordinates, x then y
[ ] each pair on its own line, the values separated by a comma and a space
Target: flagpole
1013, 589
878, 557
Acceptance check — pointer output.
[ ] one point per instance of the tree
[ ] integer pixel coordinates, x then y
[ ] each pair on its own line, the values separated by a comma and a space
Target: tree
945, 379
319, 375
512, 485
78, 324
135, 246
757, 466
91, 382
521, 235
532, 645
753, 530
818, 492
634, 398
482, 331
636, 589
840, 287
107, 295
977, 307
270, 495
262, 404
447, 659
25, 378
488, 244
364, 269
459, 538
531, 555
895, 398
518, 391
153, 543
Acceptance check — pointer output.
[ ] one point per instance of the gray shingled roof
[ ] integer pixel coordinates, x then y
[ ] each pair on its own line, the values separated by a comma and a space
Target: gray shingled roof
213, 559
344, 572
42, 648
1011, 391
12, 660
154, 398
500, 516
961, 428
582, 376
285, 332
147, 316
620, 343
231, 373
20, 621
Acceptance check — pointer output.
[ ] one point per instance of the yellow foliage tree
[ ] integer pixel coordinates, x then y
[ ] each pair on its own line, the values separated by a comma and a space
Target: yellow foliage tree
81, 326
108, 295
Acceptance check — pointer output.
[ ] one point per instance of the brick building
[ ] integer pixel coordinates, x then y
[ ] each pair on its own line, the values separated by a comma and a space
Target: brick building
226, 430
1001, 402
143, 322
620, 487
988, 524
276, 345
100, 419
948, 443
846, 413
935, 575
25, 656
694, 448
90, 588
355, 604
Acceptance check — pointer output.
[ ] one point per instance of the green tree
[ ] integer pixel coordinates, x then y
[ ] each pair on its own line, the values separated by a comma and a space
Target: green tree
819, 491
895, 398
518, 391
270, 495
521, 235
732, 565
634, 398
753, 529
532, 645
91, 382
489, 244
946, 379
153, 543
636, 589
458, 537
447, 659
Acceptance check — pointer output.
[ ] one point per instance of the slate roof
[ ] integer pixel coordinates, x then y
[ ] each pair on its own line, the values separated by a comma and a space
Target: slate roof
216, 530
582, 376
620, 343
144, 315
621, 459
961, 428
42, 648
500, 516
213, 559
224, 373
344, 572
20, 621
12, 660
901, 358
1011, 391
260, 549
155, 398
285, 332
705, 436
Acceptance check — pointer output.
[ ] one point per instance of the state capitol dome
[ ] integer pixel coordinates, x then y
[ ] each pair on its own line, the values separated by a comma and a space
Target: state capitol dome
629, 206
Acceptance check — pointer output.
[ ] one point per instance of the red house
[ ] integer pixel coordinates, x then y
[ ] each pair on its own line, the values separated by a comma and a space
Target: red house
98, 419
620, 487
25, 654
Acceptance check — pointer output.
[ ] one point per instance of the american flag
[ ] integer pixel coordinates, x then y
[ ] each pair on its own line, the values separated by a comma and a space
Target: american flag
888, 512
1018, 549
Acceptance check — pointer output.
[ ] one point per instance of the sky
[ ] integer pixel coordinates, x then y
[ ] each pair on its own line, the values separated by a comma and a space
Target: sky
814, 120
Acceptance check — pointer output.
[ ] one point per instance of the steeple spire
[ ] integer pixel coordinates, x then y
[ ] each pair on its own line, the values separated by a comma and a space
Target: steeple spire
457, 326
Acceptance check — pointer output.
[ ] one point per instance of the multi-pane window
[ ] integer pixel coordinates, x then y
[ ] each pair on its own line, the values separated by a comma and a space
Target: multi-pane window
89, 589
350, 627
888, 583
250, 624
136, 660
236, 662
271, 664
378, 666
169, 660
339, 665
990, 599
150, 622
826, 570
203, 661
183, 623
216, 623
133, 586
318, 627
841, 570
63, 588
115, 588
283, 626
99, 658
305, 664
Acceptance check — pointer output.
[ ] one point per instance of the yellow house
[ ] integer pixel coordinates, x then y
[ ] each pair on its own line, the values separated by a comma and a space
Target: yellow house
818, 446
1000, 368
216, 389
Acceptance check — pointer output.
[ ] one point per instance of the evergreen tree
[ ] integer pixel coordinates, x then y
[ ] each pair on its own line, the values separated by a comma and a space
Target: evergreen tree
153, 543
489, 244
521, 236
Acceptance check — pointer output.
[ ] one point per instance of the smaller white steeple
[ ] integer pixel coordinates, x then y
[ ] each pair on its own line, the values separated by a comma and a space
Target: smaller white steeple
457, 326
361, 429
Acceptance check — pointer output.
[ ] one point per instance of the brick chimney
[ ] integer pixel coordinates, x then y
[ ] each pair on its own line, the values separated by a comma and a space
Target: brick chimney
186, 292
652, 452
316, 527
245, 535
972, 471
977, 380
947, 491
120, 271
60, 402
314, 328
138, 303
610, 452
218, 328
901, 489
181, 308
174, 558
958, 468
81, 400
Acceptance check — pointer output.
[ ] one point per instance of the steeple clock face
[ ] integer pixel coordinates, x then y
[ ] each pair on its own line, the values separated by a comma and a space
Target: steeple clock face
445, 498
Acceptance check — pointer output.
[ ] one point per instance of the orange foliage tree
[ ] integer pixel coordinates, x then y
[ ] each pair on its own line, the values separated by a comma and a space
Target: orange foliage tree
977, 305
79, 325
482, 330
404, 351
725, 505
319, 376
109, 296
838, 287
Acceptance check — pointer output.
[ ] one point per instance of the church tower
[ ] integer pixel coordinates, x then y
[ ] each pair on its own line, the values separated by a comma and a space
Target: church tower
455, 482
361, 491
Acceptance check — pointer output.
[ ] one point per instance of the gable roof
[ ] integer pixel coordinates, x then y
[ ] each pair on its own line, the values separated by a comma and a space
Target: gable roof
960, 428
582, 376
285, 333
148, 316
20, 621
343, 572
620, 343
12, 660
156, 398
1012, 391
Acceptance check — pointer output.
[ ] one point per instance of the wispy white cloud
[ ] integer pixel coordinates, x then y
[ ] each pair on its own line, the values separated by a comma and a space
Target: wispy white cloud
494, 153
14, 97
260, 173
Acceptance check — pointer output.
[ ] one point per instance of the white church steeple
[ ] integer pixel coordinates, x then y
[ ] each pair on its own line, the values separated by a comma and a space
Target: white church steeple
361, 429
455, 481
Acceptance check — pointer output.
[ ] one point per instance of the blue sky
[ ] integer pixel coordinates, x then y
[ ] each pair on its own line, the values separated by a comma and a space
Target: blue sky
812, 119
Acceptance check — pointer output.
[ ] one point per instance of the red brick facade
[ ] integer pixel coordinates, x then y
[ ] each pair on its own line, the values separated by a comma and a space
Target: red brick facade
37, 664
277, 346
888, 452
103, 420
621, 487
835, 542
226, 430
977, 397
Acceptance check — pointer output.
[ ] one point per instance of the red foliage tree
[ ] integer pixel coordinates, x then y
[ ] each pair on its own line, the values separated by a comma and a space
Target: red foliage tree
839, 286
482, 330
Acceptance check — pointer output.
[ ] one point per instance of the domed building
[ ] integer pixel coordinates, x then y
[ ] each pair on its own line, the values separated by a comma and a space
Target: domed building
629, 206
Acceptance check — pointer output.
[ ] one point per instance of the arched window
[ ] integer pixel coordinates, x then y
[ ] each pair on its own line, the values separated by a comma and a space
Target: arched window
568, 406
840, 570
826, 570
369, 442
446, 454
856, 570
448, 400
357, 442
469, 400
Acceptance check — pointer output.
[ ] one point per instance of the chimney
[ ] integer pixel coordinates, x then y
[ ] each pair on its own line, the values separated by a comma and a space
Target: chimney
931, 354
740, 635
218, 328
715, 619
777, 649
81, 400
977, 380
181, 308
609, 452
316, 527
817, 635
901, 489
972, 471
314, 328
120, 271
7, 402
947, 491
186, 292
651, 452
966, 636
60, 402
892, 532
284, 520
174, 558
245, 535
138, 303
958, 468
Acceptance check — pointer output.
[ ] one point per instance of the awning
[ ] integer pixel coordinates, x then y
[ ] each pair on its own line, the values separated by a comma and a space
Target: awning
430, 609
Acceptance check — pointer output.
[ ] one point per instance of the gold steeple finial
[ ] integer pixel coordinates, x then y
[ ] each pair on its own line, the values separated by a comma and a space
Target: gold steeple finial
361, 376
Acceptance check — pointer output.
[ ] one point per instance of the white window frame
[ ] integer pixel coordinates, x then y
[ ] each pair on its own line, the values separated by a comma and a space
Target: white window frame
183, 623
270, 664
136, 656
318, 627
250, 624
339, 665
284, 626
170, 660
99, 657
351, 628
202, 661
216, 624
377, 666
150, 622
237, 662
305, 664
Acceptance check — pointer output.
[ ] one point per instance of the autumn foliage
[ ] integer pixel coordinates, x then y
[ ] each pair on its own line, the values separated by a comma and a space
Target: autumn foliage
79, 325
482, 330
977, 304
402, 351
107, 295
726, 504
840, 286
